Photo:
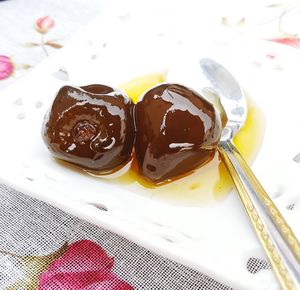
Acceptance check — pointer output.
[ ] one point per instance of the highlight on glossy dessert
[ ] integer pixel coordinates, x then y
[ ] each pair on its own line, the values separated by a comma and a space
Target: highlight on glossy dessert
90, 126
177, 131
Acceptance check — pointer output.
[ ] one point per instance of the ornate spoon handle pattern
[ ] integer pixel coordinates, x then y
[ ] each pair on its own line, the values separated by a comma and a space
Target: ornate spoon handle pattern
275, 235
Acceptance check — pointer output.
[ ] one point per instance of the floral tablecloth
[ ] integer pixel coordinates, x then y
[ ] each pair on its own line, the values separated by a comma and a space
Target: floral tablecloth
41, 247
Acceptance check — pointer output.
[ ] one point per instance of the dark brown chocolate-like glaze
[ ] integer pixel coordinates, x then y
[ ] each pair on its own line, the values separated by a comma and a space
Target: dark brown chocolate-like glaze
177, 130
90, 126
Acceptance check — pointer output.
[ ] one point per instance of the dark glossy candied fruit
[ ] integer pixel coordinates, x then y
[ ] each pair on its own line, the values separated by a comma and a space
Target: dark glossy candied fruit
90, 126
177, 130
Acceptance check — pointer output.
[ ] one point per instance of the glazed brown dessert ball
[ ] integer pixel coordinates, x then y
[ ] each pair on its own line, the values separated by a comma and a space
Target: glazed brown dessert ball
90, 126
177, 130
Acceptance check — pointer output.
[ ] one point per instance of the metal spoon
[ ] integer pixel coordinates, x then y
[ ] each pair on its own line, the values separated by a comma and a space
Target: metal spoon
275, 235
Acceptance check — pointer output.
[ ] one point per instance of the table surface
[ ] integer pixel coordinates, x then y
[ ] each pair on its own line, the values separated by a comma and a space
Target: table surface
42, 247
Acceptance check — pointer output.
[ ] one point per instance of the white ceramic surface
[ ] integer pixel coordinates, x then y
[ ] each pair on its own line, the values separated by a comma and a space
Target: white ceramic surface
216, 240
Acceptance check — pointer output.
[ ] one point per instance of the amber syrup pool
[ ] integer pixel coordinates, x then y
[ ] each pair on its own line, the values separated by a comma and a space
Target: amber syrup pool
205, 186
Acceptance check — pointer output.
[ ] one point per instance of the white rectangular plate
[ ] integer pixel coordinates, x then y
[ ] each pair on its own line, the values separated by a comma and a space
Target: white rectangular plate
216, 240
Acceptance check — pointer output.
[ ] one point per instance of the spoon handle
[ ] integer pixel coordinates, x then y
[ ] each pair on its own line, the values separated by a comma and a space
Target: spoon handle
275, 235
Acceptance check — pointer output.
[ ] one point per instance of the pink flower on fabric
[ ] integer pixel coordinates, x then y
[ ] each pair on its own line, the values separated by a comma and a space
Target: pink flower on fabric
6, 67
293, 42
44, 24
84, 266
